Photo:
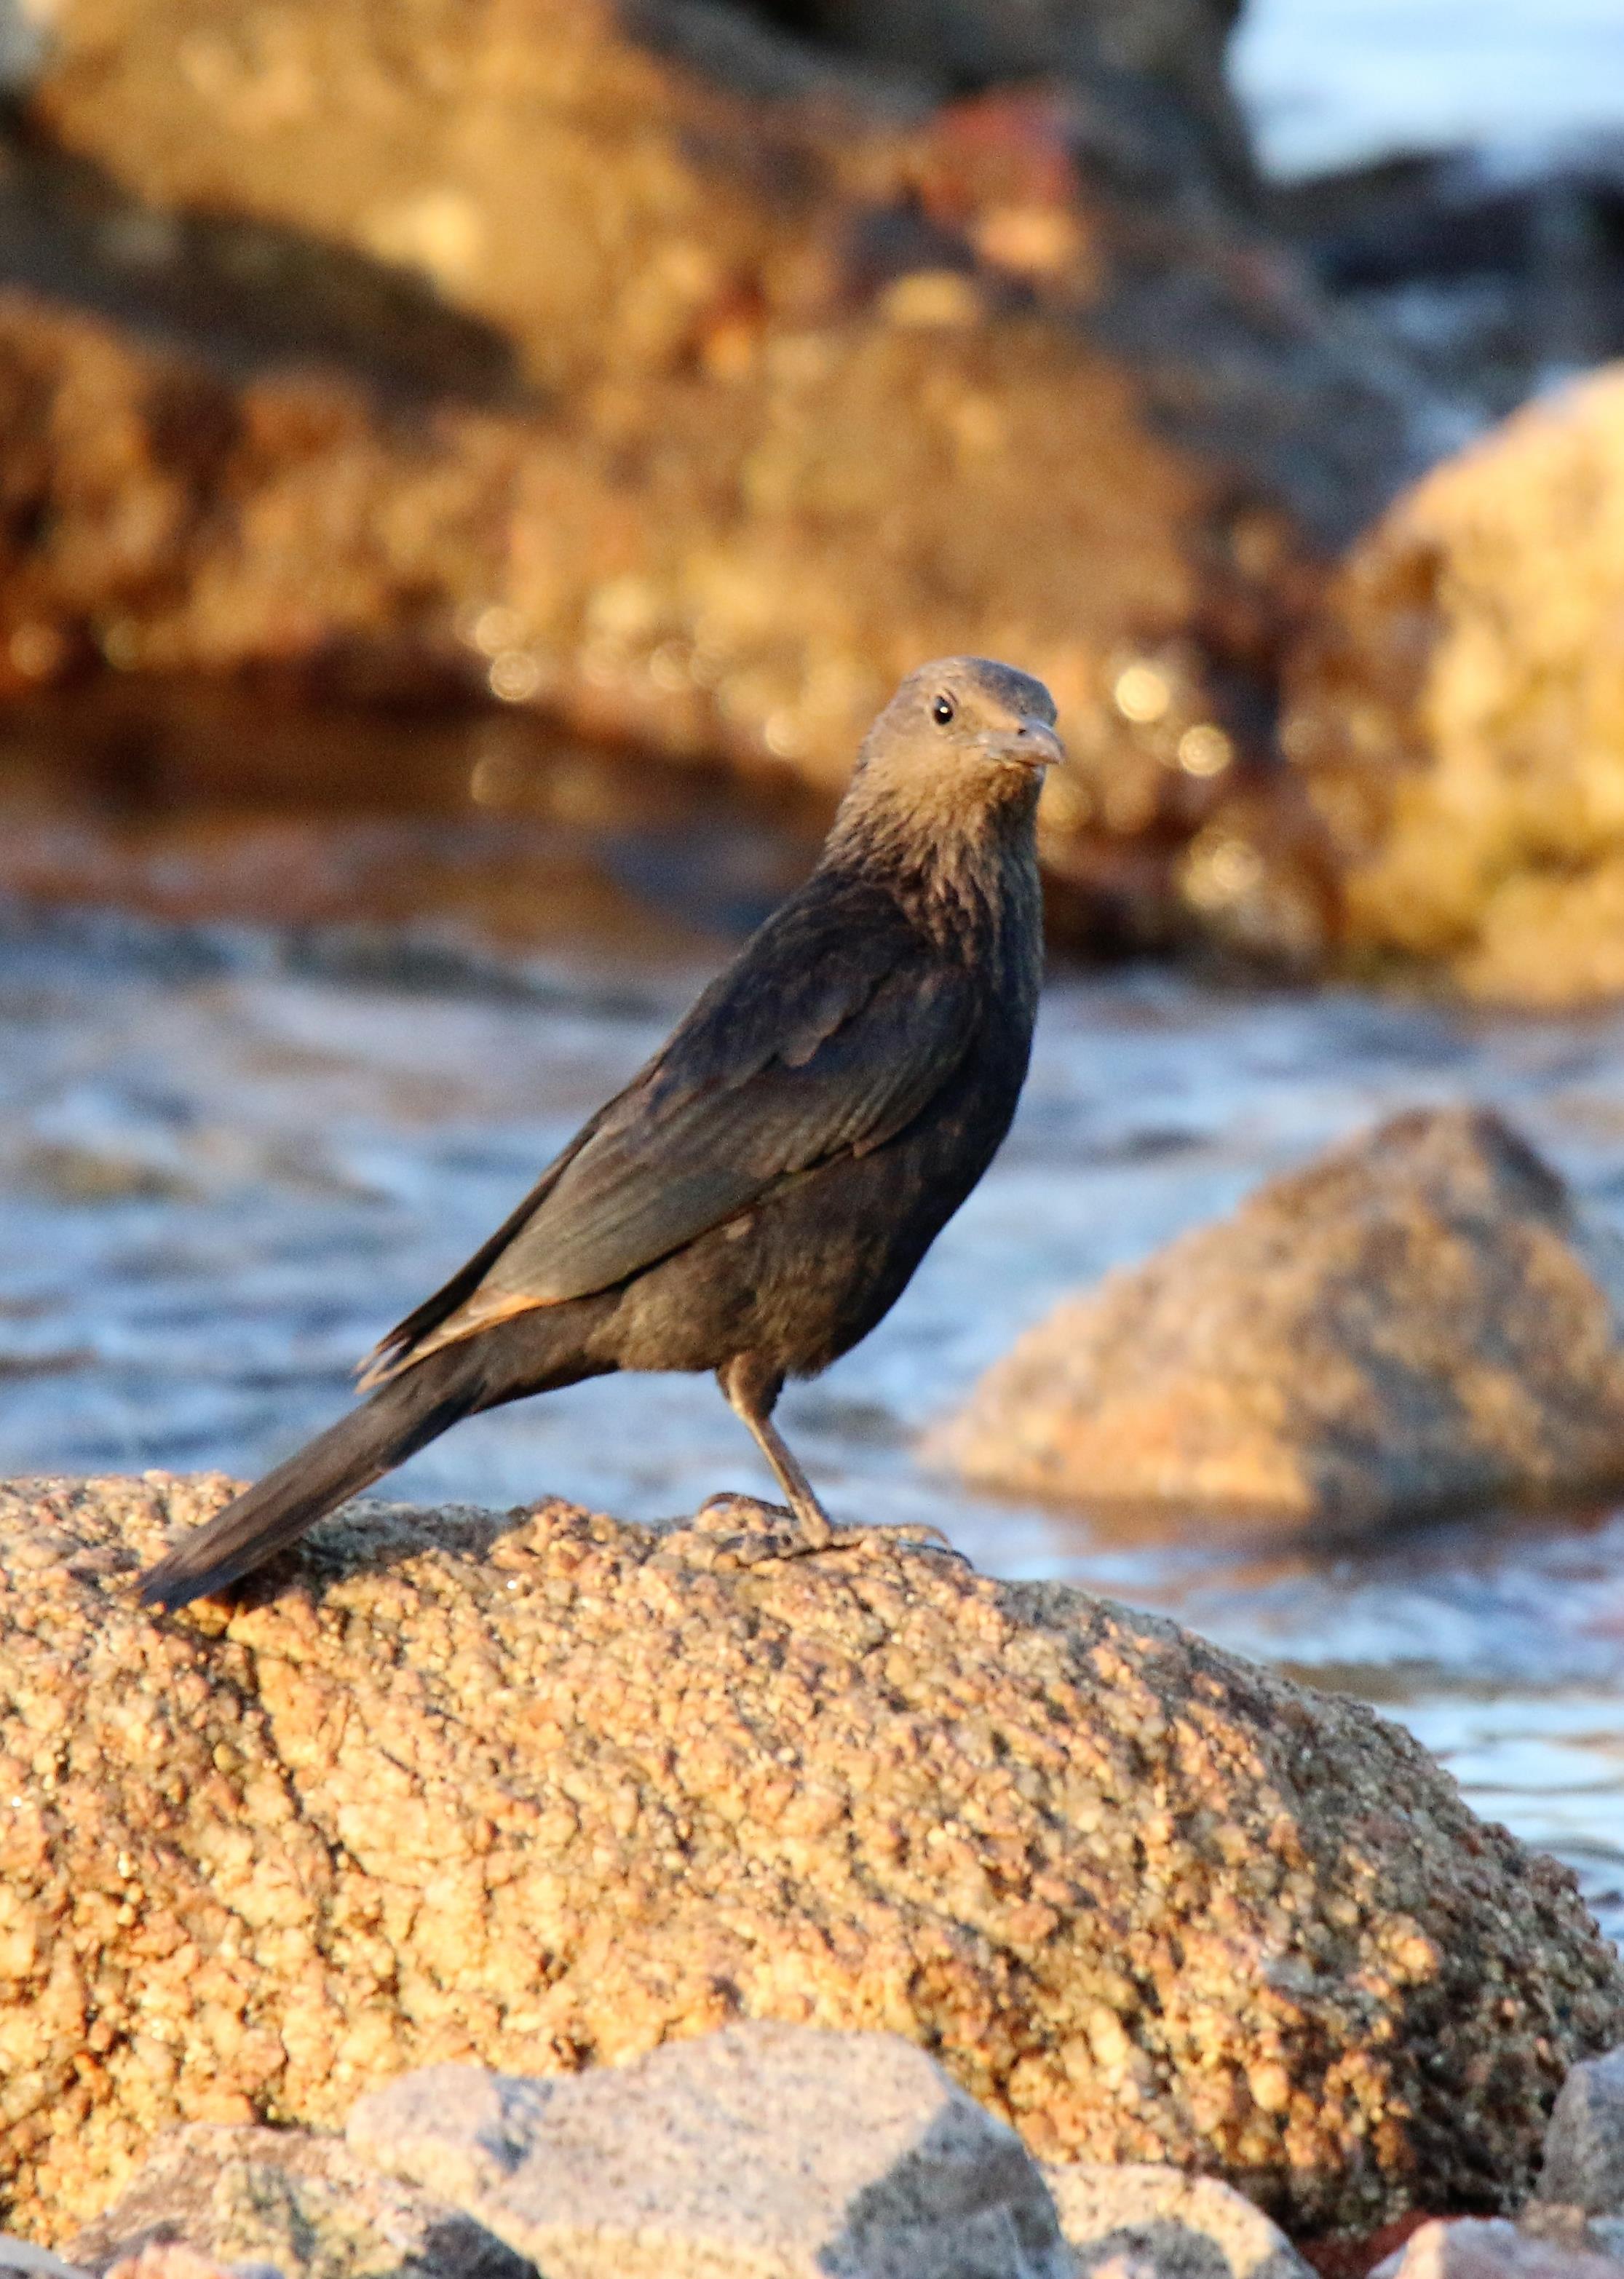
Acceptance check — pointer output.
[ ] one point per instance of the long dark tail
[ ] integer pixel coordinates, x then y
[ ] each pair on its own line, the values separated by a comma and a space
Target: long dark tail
401, 1417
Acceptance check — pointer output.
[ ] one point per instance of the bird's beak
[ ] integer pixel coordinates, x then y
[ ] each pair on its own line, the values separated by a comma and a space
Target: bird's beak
1032, 743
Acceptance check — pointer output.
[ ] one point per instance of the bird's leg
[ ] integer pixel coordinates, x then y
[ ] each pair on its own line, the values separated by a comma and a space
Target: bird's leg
751, 1390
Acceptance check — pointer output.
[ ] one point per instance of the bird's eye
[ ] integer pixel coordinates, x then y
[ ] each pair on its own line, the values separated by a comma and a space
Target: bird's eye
942, 711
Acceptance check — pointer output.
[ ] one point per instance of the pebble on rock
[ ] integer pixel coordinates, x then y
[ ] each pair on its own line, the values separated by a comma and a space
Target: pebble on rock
1475, 2248
1159, 2223
1420, 1321
772, 2151
1584, 2144
542, 1792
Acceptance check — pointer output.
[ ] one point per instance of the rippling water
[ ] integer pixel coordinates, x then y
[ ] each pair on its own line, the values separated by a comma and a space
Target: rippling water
230, 1154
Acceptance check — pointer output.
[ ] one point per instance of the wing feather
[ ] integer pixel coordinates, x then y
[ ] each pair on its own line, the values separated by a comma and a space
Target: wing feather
833, 1030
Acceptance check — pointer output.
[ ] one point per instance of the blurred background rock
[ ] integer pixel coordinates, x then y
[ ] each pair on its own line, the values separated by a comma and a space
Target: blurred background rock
684, 372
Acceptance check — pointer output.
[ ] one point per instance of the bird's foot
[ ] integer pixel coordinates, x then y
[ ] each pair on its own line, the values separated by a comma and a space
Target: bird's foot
746, 1532
742, 1530
923, 1536
919, 1535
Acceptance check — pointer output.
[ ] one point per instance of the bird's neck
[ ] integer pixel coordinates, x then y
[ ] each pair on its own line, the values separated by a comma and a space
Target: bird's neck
965, 872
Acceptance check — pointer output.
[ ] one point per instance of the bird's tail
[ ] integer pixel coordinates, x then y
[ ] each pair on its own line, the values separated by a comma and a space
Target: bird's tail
403, 1416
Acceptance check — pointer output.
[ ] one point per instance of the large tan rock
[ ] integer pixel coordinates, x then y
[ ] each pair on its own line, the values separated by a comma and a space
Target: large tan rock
1420, 1321
1459, 714
603, 180
546, 1792
165, 516
773, 378
307, 116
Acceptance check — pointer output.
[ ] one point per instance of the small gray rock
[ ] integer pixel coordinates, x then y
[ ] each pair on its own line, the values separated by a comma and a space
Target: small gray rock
1476, 2247
1570, 2227
304, 2205
1584, 2144
1164, 2224
774, 2151
38, 2262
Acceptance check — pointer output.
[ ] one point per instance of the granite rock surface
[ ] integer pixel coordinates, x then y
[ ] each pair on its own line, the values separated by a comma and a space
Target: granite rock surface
1493, 2249
1419, 1321
544, 1791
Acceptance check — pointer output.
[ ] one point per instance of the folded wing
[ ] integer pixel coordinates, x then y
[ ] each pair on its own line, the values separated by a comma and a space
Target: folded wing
834, 1029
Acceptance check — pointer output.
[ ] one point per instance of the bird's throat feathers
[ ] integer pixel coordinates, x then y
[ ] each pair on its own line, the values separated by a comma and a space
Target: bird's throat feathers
959, 848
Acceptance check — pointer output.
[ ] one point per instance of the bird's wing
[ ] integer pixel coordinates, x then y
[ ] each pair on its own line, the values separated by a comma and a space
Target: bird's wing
837, 1026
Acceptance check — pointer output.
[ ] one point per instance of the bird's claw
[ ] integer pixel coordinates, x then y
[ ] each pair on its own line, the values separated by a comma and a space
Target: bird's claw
742, 1530
924, 1537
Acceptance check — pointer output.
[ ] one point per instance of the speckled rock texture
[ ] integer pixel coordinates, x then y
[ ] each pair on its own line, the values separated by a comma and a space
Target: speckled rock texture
1136, 2222
305, 2205
770, 2151
543, 1791
1457, 714
1420, 1321
775, 374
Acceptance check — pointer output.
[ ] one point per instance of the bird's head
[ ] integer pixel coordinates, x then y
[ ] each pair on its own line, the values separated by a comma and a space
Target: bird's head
946, 789
964, 733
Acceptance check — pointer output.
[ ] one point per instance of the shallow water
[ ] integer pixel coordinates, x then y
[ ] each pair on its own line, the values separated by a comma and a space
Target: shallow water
232, 1153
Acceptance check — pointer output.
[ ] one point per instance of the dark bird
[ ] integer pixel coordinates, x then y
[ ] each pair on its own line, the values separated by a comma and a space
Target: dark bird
757, 1198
